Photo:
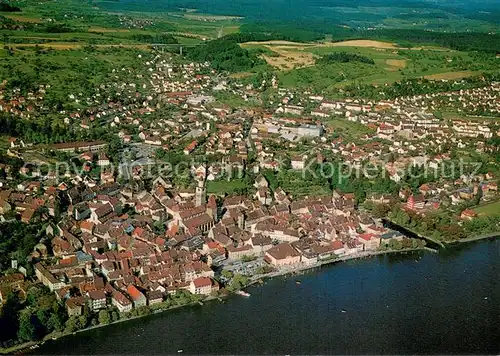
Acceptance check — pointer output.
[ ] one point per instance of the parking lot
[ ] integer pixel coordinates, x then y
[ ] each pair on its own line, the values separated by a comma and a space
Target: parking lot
244, 268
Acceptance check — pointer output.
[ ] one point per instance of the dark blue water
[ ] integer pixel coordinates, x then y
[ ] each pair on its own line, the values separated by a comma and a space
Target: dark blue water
446, 303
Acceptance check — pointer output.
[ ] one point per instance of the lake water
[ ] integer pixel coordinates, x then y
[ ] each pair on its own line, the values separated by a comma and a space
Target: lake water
417, 303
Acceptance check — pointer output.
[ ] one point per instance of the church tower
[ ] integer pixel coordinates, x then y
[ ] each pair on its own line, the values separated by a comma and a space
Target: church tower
200, 193
212, 208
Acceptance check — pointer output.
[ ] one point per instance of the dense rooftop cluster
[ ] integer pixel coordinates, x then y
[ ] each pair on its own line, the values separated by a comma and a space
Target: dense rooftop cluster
131, 239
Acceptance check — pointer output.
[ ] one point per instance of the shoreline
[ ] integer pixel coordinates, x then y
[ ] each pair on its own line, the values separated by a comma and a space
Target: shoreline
358, 256
406, 230
49, 337
489, 236
20, 348
253, 280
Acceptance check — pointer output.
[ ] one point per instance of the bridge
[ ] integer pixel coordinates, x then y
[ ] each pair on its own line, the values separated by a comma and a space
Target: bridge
180, 46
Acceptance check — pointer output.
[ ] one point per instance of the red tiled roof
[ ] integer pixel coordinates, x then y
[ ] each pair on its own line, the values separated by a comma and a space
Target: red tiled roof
97, 294
87, 225
366, 237
202, 282
337, 245
469, 212
282, 251
134, 293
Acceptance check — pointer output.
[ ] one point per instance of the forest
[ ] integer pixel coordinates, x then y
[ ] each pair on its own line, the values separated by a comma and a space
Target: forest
224, 54
313, 31
331, 12
17, 241
415, 86
46, 129
39, 314
5, 7
299, 31
343, 57
32, 318
156, 38
460, 41
442, 226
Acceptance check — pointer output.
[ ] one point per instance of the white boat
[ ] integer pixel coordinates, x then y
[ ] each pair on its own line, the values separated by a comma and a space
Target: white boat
243, 293
179, 351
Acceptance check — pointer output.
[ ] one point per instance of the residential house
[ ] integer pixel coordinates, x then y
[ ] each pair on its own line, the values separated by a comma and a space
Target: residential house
468, 214
282, 254
137, 297
121, 302
74, 306
201, 286
96, 299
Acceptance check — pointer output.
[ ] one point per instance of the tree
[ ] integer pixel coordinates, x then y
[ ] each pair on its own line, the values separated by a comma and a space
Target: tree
43, 316
27, 329
35, 294
395, 244
115, 145
159, 227
72, 324
9, 321
479, 195
55, 323
260, 270
436, 235
239, 281
104, 317
381, 210
246, 258
75, 323
344, 57
453, 232
142, 311
115, 316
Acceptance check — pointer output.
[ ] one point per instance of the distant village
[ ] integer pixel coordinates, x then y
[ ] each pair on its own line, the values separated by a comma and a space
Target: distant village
112, 240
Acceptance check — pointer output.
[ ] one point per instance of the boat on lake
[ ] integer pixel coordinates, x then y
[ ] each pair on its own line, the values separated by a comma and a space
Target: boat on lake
243, 293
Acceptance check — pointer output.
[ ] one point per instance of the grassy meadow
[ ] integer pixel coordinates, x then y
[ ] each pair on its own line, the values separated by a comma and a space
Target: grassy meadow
130, 27
297, 65
488, 209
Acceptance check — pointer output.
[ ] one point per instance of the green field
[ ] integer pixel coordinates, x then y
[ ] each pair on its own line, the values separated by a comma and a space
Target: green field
391, 65
441, 16
4, 142
489, 209
225, 187
233, 100
86, 67
90, 23
106, 25
347, 128
109, 23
